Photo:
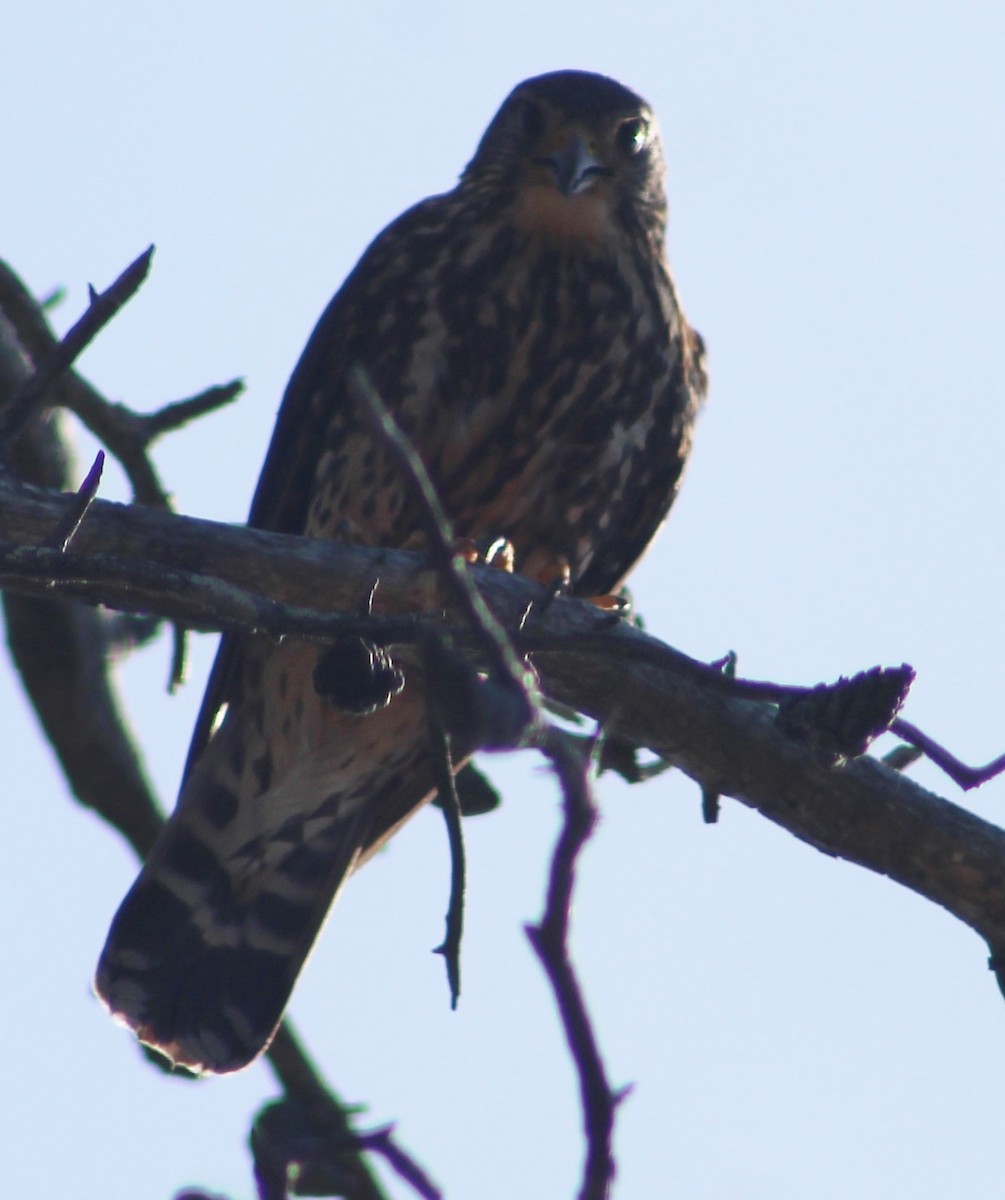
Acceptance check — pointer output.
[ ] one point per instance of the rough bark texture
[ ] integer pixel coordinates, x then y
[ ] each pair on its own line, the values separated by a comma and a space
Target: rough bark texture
209, 575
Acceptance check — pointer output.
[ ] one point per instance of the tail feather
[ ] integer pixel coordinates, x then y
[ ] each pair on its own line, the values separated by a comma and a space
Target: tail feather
201, 971
205, 949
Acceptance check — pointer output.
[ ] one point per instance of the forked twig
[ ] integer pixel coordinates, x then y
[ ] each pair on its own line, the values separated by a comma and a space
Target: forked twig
381, 1141
103, 307
314, 1133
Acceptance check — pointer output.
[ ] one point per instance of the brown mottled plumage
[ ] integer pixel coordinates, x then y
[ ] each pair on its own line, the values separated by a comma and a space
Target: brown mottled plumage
525, 332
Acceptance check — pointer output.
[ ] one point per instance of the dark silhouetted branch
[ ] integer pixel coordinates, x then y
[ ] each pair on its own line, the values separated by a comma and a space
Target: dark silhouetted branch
61, 650
128, 435
381, 1141
103, 307
794, 754
571, 759
962, 775
635, 686
450, 803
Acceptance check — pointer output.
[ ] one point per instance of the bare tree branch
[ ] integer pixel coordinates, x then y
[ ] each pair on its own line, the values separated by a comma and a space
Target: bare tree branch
450, 803
307, 1138
637, 687
103, 307
571, 759
59, 648
61, 651
960, 773
794, 754
381, 1142
128, 435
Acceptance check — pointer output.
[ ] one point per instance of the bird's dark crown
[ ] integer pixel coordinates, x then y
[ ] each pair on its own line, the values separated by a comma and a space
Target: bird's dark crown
553, 124
582, 95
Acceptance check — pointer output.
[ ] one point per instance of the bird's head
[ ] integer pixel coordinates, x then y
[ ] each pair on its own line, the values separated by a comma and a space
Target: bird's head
572, 151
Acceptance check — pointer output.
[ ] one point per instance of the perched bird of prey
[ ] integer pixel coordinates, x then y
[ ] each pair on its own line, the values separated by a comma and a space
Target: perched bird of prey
524, 331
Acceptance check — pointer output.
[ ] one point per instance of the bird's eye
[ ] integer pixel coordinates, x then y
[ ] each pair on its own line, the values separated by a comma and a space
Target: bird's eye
632, 135
531, 119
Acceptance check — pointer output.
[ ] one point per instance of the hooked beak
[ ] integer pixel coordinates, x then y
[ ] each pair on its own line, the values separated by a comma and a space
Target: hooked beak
574, 167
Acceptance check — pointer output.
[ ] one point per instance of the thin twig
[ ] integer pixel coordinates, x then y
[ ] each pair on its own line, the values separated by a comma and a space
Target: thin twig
959, 772
103, 307
62, 535
178, 670
506, 705
450, 803
901, 756
179, 412
628, 649
380, 1141
711, 800
314, 1133
26, 317
503, 662
128, 435
571, 760
293, 1068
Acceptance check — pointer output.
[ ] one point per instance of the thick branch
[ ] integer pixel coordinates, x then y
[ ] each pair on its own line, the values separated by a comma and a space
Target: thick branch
50, 639
636, 686
61, 651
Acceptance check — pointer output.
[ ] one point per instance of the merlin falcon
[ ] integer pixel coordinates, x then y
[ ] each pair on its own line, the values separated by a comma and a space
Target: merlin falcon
525, 333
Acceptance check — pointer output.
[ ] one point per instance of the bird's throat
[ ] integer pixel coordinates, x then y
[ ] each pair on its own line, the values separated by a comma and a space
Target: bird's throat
583, 218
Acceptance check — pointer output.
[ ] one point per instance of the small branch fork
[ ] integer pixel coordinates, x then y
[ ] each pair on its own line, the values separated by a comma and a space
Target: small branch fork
306, 1144
103, 307
127, 434
381, 1141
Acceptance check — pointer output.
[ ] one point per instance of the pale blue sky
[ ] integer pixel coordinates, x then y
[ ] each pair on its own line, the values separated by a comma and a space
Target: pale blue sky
794, 1026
